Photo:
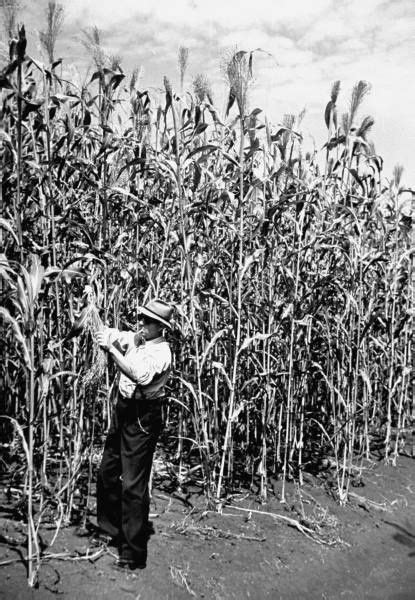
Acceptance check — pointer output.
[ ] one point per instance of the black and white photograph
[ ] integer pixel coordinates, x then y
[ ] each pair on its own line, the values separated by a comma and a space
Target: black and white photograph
207, 300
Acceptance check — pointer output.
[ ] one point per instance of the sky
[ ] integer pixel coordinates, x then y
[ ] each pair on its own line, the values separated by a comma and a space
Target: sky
305, 46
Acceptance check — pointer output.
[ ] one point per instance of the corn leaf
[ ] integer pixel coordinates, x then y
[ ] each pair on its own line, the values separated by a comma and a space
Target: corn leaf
18, 335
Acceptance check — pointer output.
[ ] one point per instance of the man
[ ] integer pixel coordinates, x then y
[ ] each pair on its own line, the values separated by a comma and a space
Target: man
144, 361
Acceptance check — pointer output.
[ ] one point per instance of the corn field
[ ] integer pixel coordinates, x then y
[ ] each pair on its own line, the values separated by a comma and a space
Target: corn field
292, 278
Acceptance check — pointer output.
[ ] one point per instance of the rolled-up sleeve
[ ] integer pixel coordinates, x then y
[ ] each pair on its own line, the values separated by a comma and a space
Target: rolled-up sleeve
143, 367
147, 366
124, 338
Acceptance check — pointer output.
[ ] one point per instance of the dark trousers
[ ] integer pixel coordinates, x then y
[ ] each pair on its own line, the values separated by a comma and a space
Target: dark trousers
123, 499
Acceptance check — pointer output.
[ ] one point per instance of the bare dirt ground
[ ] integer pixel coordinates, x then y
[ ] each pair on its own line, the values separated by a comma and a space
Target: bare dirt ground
365, 550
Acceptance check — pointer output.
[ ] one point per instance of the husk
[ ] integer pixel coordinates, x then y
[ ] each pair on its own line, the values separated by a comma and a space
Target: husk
94, 374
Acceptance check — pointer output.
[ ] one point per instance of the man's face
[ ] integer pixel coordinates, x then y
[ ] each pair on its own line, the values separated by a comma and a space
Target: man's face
148, 328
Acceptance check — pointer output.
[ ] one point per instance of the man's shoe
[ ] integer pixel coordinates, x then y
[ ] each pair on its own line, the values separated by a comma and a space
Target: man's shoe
130, 560
129, 564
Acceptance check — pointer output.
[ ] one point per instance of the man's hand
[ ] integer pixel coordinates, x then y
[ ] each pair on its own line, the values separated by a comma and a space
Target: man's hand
101, 338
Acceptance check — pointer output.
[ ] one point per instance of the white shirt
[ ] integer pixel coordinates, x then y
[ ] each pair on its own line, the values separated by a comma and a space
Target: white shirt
148, 364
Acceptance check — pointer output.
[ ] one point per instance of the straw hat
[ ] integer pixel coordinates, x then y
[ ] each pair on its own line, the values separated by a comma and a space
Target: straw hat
157, 310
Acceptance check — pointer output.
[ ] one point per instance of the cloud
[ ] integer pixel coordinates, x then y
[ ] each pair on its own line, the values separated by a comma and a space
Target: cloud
311, 43
234, 13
